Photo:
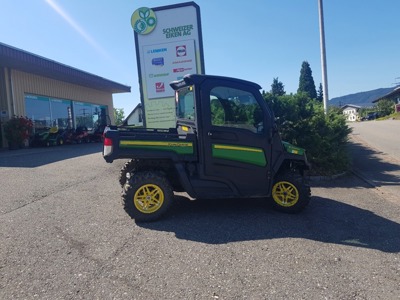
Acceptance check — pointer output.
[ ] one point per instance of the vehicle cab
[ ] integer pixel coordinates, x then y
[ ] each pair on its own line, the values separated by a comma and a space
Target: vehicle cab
235, 131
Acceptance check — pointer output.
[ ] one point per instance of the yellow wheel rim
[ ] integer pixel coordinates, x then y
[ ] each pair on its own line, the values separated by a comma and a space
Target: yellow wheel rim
285, 194
148, 198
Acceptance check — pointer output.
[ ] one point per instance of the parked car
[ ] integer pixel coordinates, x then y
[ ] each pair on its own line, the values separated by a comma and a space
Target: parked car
370, 116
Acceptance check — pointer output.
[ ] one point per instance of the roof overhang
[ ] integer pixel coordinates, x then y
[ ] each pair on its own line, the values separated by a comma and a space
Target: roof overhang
14, 58
395, 91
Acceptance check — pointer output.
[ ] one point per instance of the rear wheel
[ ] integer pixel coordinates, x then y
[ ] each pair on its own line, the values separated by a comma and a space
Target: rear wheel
147, 196
290, 193
128, 167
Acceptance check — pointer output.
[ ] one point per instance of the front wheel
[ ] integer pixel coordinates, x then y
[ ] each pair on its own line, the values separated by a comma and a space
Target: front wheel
147, 196
290, 193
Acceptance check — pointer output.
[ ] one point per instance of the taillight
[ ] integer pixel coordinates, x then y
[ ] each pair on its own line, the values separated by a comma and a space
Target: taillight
108, 146
108, 142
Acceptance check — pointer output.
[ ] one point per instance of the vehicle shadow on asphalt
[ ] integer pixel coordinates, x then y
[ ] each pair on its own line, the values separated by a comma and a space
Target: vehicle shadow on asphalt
377, 168
36, 157
324, 220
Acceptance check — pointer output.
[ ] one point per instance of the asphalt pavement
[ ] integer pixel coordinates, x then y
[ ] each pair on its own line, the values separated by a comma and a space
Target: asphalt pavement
375, 147
65, 235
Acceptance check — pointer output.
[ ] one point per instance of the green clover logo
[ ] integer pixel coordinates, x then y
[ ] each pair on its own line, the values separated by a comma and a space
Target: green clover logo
143, 20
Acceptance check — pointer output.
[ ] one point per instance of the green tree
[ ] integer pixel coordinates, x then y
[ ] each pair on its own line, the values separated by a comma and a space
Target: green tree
119, 116
302, 122
385, 107
320, 93
306, 81
335, 109
277, 87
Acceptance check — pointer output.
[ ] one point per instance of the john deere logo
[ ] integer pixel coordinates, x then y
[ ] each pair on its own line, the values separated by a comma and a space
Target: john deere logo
143, 20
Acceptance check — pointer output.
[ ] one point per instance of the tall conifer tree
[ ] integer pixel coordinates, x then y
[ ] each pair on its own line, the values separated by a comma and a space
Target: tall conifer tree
306, 81
277, 88
320, 93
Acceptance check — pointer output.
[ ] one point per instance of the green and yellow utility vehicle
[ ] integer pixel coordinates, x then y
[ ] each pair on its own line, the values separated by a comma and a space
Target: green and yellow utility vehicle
225, 145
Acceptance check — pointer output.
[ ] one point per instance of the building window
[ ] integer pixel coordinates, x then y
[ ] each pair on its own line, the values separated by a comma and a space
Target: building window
87, 114
51, 112
60, 109
38, 110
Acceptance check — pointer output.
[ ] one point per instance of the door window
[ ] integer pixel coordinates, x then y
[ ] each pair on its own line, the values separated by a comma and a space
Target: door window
235, 108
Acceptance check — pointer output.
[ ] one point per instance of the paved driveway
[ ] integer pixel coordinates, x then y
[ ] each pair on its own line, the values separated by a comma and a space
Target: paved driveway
383, 136
376, 155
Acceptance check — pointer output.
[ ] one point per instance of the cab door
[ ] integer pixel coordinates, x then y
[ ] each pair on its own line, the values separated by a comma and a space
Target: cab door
236, 148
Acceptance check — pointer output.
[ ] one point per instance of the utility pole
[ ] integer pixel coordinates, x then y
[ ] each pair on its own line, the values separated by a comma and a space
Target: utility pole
323, 55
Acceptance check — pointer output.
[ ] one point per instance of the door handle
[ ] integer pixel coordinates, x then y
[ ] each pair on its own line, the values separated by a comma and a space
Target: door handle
221, 135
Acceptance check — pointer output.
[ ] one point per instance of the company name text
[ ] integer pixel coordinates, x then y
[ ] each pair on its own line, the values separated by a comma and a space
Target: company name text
178, 31
157, 50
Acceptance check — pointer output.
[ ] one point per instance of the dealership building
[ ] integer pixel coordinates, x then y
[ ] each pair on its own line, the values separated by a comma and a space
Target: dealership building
52, 94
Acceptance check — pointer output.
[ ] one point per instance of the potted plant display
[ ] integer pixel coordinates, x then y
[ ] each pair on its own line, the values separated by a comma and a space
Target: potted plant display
17, 130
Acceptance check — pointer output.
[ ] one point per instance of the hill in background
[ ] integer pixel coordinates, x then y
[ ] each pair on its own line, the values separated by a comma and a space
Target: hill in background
363, 99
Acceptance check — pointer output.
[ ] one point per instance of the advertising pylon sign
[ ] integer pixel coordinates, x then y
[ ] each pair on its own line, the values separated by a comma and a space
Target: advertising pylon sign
169, 45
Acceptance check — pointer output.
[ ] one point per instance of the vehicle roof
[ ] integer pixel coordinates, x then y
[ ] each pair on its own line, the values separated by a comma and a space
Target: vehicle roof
191, 79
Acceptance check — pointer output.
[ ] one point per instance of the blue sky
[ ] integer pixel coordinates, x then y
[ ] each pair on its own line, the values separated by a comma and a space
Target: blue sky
256, 40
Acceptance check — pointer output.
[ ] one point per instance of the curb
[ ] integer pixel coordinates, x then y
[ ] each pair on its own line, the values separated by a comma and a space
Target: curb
326, 178
363, 178
381, 192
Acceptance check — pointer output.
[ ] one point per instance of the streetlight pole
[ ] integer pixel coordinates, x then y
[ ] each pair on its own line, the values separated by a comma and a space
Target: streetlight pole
323, 55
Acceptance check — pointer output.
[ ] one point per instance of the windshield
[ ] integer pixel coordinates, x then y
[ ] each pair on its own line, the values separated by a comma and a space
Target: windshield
185, 103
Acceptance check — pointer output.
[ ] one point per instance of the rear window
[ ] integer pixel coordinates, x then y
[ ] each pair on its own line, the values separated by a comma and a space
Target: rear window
185, 103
